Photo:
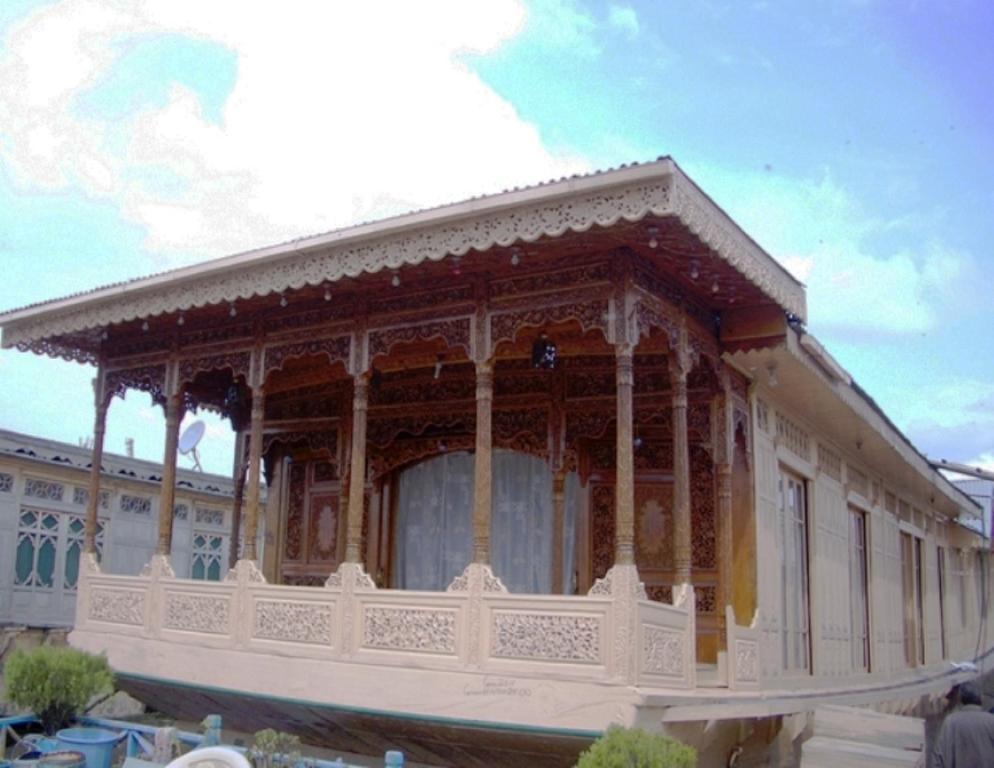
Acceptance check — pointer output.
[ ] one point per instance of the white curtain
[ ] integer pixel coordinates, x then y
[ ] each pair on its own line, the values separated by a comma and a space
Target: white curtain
433, 540
521, 523
434, 527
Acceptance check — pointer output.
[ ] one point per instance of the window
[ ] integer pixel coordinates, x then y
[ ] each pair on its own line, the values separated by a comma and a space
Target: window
208, 553
43, 489
858, 601
74, 548
940, 563
961, 578
37, 545
911, 581
979, 572
136, 505
793, 519
6, 482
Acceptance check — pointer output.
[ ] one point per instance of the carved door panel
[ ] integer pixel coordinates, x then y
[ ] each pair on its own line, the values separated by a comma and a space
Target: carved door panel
322, 534
654, 538
311, 546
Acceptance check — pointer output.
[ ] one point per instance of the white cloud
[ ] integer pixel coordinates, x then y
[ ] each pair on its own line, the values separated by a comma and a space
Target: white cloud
624, 18
352, 112
821, 233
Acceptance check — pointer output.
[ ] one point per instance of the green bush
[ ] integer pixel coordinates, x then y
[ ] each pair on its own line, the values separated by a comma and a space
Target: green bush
635, 748
275, 749
55, 682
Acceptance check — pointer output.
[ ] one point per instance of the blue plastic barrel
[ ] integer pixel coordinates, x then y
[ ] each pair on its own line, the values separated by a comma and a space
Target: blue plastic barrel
394, 759
97, 744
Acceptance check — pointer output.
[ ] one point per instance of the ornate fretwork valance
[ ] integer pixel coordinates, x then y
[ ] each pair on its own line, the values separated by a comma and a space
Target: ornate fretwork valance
658, 189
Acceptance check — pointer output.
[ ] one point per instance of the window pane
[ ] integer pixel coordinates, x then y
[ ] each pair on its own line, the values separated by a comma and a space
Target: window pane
25, 561
72, 565
46, 563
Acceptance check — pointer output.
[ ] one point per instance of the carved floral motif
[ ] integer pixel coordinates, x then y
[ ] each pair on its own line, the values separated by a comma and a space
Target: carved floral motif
293, 547
522, 429
746, 660
454, 332
662, 652
238, 362
117, 606
144, 378
409, 629
548, 637
197, 613
702, 506
589, 314
295, 622
336, 349
602, 529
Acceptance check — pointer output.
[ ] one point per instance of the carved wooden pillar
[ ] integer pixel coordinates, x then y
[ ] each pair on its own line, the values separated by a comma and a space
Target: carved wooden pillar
558, 528
239, 496
167, 496
624, 514
101, 401
251, 511
357, 471
679, 367
482, 465
724, 446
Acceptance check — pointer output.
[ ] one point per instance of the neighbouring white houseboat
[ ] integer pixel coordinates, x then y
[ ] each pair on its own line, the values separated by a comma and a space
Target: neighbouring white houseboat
44, 490
538, 462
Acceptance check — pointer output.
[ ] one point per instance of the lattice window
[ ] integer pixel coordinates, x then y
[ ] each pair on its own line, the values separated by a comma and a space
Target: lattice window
43, 489
181, 512
37, 545
793, 437
6, 483
208, 554
207, 516
74, 548
81, 497
829, 462
858, 481
136, 505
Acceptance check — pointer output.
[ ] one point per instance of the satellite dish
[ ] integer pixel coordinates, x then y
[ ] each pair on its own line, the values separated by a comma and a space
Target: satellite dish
189, 440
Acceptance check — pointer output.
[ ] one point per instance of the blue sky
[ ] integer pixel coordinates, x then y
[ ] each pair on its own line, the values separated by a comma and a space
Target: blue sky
853, 140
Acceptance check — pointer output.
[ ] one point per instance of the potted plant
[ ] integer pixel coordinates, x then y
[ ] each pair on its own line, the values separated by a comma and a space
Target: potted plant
635, 748
55, 683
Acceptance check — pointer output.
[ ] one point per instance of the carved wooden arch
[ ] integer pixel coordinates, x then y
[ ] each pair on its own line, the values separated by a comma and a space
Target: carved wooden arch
456, 332
589, 313
337, 349
407, 453
654, 314
322, 442
144, 378
383, 431
239, 362
525, 430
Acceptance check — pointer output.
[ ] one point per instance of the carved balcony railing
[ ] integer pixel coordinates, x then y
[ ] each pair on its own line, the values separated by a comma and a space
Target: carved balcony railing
493, 632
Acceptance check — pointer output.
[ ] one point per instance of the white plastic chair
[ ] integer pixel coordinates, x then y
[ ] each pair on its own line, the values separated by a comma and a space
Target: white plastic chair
211, 757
